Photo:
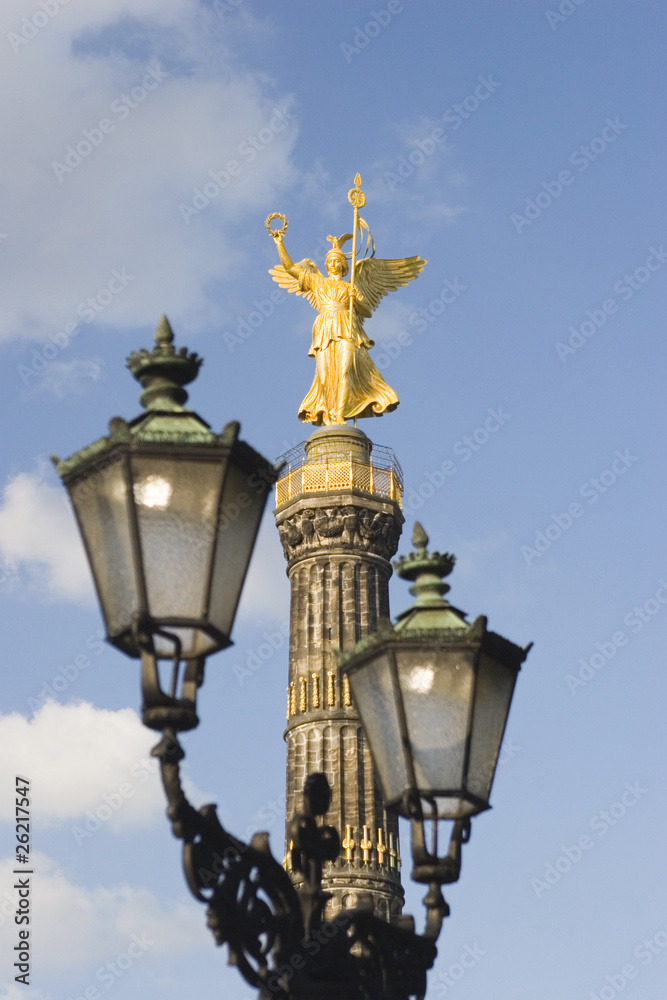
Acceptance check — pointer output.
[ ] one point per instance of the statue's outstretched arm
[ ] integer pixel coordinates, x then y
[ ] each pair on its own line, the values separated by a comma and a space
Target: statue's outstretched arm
285, 258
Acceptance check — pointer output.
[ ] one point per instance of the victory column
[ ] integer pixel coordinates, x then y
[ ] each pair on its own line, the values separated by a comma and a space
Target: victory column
338, 511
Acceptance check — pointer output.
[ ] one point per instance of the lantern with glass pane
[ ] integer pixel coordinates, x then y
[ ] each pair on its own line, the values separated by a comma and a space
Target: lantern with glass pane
433, 693
169, 513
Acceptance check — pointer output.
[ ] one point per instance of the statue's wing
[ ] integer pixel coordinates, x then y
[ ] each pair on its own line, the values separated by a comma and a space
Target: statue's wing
292, 284
375, 277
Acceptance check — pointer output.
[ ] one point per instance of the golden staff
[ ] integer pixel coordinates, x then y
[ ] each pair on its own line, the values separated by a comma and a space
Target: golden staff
357, 199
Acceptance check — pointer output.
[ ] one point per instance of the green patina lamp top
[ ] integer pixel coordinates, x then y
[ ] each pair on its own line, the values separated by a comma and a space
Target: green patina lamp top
162, 374
431, 618
164, 371
427, 570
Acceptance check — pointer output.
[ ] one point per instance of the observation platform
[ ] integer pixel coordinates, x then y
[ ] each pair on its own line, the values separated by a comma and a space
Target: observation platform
335, 459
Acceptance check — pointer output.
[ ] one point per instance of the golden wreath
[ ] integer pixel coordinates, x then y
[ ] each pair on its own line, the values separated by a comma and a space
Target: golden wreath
270, 229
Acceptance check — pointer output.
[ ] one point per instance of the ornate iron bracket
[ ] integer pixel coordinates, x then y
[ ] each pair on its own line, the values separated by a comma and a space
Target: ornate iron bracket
313, 845
253, 907
276, 935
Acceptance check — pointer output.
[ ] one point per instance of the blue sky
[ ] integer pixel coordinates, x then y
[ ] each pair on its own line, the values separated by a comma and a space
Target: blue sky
519, 148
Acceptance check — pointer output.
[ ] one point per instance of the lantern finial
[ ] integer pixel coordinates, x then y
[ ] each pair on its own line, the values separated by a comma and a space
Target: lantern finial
427, 570
164, 335
419, 537
164, 371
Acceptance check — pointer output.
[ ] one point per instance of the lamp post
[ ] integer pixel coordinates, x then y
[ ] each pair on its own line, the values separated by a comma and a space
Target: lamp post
169, 512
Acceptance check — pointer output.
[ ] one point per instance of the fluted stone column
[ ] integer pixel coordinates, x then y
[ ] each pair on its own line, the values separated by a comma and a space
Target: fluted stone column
338, 542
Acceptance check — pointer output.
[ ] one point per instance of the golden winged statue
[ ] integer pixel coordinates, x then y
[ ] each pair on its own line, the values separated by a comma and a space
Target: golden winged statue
347, 384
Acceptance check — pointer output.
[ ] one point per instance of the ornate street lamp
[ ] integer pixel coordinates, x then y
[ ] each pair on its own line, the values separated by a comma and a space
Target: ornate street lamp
433, 694
169, 512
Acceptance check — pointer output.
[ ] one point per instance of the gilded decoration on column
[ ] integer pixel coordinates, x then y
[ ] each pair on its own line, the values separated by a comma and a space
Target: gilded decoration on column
348, 844
347, 384
366, 844
381, 846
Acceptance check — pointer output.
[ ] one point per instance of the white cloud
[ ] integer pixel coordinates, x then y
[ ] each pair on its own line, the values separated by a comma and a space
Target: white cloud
114, 207
393, 320
441, 212
77, 927
82, 760
457, 178
62, 378
11, 992
39, 538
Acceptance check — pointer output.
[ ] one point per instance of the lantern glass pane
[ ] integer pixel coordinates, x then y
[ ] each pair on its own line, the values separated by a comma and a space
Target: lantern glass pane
175, 500
452, 807
194, 642
493, 695
437, 687
373, 693
240, 512
101, 505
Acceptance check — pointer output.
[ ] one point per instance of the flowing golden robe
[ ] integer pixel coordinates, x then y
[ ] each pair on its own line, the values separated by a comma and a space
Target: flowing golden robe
347, 383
